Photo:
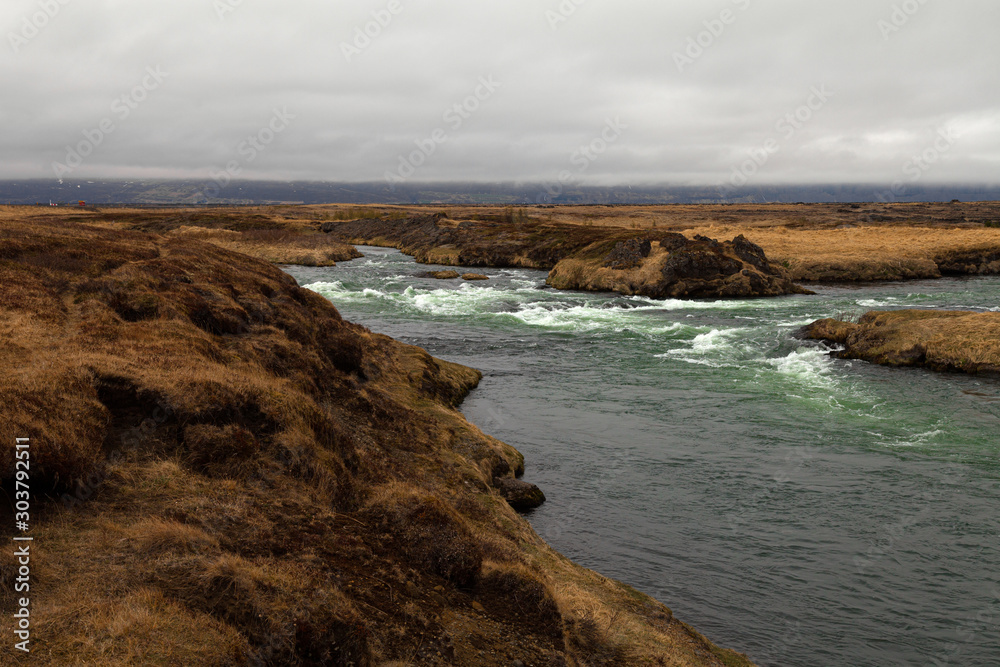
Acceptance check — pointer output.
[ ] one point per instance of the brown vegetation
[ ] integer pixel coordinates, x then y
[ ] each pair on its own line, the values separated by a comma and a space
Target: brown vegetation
940, 340
813, 242
658, 264
226, 472
261, 232
810, 242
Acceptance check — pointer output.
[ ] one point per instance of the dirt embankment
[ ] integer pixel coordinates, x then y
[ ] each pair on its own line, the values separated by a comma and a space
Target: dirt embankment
226, 472
654, 264
960, 341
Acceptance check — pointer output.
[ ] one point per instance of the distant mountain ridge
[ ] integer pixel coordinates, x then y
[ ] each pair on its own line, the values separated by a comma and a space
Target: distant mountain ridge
197, 192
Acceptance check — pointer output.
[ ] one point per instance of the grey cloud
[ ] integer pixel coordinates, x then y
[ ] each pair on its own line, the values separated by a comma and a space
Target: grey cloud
560, 82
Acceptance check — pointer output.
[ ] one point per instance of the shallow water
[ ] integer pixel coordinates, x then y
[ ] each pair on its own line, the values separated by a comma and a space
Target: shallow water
804, 510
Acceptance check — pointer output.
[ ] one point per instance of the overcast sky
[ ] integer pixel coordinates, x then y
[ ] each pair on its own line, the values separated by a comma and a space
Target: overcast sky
887, 81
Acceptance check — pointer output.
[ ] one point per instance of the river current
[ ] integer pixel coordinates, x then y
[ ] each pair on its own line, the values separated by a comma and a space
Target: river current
801, 509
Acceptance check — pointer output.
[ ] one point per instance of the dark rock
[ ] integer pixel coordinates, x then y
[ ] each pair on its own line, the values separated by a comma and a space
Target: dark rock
501, 468
699, 264
671, 241
520, 495
969, 262
751, 253
628, 254
704, 239
474, 276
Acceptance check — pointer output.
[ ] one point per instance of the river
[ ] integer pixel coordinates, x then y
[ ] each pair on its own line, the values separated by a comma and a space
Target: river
801, 509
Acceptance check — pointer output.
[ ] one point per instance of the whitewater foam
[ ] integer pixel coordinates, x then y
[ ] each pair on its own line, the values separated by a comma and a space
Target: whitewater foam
520, 305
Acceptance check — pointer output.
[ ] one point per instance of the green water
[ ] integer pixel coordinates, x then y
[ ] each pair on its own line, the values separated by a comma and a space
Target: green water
804, 510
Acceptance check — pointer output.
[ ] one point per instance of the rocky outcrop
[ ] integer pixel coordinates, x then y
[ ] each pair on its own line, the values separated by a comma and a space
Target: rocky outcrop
678, 267
969, 262
628, 254
520, 495
451, 275
967, 342
436, 239
658, 265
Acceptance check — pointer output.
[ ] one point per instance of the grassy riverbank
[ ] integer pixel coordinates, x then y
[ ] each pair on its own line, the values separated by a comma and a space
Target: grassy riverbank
224, 471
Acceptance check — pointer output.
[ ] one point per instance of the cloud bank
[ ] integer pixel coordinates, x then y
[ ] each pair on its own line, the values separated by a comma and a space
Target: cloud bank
771, 91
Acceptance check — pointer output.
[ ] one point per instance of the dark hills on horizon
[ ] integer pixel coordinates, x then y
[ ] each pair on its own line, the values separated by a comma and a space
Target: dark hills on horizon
151, 192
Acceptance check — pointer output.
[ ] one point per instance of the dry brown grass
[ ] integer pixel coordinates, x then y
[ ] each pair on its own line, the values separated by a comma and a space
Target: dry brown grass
865, 253
942, 340
814, 242
278, 246
226, 472
259, 231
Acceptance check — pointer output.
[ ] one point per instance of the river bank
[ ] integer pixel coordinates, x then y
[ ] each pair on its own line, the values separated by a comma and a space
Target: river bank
226, 471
